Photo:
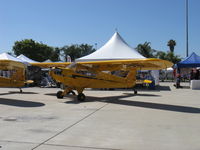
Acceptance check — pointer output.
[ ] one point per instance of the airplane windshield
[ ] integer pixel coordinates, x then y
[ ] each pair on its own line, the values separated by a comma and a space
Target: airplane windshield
58, 71
86, 73
6, 73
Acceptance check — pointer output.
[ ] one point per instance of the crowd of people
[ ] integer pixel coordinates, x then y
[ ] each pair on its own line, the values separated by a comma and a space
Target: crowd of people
193, 75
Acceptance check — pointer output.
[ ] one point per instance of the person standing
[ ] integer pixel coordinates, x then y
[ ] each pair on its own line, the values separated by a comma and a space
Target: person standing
192, 74
196, 76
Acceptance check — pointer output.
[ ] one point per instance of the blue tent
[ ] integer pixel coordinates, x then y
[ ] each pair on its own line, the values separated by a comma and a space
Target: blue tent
190, 62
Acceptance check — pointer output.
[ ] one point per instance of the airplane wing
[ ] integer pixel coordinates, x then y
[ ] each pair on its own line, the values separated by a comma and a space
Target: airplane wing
139, 64
12, 73
51, 64
10, 64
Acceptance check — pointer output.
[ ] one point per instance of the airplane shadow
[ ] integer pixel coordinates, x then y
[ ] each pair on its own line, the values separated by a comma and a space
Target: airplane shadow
139, 94
16, 92
184, 87
156, 89
163, 88
50, 94
20, 103
149, 105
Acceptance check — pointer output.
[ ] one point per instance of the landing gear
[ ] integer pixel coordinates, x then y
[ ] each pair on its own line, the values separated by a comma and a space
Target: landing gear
60, 94
67, 91
71, 92
20, 90
81, 97
135, 91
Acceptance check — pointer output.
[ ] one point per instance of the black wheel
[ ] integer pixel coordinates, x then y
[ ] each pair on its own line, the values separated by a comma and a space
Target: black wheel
20, 90
60, 94
135, 92
81, 97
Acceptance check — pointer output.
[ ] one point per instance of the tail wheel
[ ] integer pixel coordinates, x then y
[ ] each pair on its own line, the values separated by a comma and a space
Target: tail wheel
60, 94
135, 91
81, 97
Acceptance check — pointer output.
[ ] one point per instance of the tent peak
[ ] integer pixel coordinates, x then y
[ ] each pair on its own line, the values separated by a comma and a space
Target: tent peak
193, 60
115, 48
7, 56
26, 59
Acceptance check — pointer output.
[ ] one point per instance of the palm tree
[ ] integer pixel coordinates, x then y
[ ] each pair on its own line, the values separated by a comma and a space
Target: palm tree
168, 56
173, 58
145, 50
171, 43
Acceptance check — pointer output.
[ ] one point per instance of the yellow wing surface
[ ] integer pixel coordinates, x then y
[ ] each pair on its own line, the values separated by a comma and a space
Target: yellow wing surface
12, 73
139, 64
9, 64
51, 64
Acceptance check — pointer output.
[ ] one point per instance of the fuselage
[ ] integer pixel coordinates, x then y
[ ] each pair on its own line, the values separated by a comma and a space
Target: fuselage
98, 79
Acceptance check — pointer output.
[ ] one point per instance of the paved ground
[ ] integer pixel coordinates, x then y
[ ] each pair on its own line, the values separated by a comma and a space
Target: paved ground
163, 119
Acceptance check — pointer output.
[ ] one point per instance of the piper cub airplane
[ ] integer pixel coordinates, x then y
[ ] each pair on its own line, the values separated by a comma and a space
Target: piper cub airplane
12, 74
100, 74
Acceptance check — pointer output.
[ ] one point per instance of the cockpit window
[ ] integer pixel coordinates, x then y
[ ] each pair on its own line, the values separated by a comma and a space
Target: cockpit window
86, 73
58, 71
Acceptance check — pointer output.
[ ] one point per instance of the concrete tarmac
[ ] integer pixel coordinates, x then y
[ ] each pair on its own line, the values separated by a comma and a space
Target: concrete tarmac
163, 119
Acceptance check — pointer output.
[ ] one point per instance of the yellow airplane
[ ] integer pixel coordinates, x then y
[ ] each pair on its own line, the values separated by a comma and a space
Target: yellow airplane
100, 74
12, 74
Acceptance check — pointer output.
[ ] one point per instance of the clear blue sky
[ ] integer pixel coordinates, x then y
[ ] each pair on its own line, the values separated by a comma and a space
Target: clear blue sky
64, 22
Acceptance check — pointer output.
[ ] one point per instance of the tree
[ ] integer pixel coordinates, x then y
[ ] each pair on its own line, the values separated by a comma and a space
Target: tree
55, 55
145, 50
168, 56
76, 51
161, 55
36, 51
171, 43
173, 58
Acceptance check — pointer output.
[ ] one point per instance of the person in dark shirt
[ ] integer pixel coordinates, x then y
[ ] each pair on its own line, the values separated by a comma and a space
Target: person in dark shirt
192, 74
178, 80
196, 76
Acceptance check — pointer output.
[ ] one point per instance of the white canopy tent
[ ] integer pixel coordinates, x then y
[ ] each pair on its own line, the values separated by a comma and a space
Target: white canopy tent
26, 59
48, 61
6, 56
115, 48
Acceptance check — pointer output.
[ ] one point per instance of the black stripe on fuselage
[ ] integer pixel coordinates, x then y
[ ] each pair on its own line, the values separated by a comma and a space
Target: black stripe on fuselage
87, 77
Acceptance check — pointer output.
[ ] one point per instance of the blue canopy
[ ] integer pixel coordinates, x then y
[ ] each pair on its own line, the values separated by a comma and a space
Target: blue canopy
190, 62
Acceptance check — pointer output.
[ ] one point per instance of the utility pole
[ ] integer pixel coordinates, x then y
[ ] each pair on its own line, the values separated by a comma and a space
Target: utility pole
186, 28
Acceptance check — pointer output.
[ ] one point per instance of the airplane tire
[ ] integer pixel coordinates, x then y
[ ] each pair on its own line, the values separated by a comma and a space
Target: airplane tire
135, 92
81, 97
59, 94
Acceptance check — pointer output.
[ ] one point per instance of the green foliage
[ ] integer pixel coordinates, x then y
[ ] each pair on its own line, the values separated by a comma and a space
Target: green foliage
171, 43
41, 52
145, 50
161, 55
168, 56
76, 51
36, 51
